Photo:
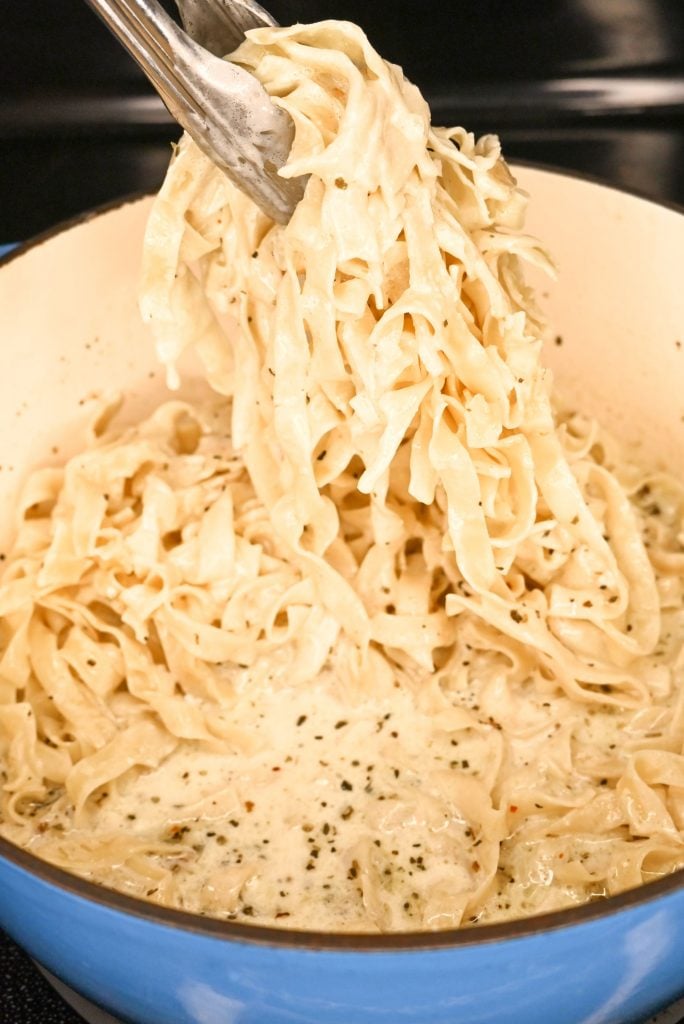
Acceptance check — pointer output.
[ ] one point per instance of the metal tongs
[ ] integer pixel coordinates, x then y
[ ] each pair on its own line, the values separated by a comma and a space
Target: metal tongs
224, 108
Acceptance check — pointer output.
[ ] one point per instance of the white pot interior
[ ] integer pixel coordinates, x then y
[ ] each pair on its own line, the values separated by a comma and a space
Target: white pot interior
71, 330
618, 306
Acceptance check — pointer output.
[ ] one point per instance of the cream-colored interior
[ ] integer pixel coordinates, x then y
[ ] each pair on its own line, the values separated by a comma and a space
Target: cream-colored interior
71, 330
616, 354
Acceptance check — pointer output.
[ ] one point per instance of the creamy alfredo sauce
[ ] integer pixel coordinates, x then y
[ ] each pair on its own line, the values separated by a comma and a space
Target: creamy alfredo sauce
333, 812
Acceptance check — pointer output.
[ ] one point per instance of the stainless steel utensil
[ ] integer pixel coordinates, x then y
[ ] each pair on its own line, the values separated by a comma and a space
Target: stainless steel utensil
224, 108
220, 25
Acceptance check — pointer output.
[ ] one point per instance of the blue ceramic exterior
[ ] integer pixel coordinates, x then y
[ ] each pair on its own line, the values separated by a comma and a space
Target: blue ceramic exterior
614, 962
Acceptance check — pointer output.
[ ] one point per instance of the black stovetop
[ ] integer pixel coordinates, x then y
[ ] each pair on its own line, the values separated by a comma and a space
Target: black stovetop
590, 85
595, 86
25, 996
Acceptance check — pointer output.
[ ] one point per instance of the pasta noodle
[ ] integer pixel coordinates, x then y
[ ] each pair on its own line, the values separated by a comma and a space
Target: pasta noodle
375, 637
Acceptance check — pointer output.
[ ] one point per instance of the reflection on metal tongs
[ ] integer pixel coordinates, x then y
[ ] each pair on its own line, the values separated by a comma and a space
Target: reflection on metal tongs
223, 107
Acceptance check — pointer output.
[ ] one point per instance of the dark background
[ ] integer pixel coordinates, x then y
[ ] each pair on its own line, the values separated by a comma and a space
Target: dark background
590, 85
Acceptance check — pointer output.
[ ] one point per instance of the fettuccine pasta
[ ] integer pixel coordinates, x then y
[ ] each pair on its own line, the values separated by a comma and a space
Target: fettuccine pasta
376, 637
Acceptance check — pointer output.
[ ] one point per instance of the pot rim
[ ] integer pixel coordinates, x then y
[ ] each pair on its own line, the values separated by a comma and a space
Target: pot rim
259, 935
21, 248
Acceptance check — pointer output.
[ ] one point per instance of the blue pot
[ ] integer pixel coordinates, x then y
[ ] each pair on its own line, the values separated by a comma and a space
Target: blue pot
607, 962
604, 963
